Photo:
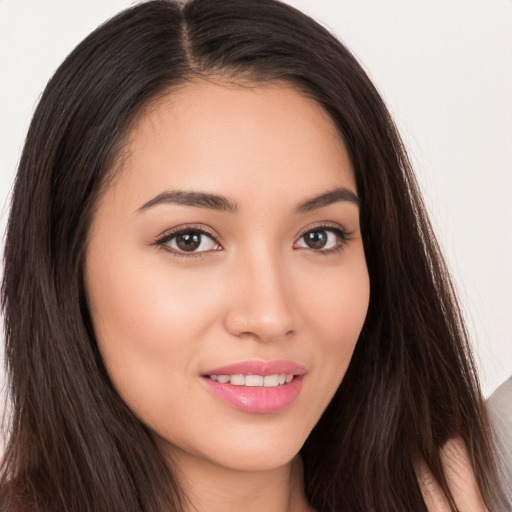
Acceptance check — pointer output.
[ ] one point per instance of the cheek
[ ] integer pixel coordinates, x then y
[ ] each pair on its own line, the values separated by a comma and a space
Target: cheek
339, 304
337, 310
145, 322
141, 301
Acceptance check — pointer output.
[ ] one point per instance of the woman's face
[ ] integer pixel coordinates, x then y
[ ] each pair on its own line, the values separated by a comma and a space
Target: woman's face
225, 272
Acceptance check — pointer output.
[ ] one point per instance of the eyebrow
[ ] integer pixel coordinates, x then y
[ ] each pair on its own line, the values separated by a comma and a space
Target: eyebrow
221, 203
332, 196
198, 199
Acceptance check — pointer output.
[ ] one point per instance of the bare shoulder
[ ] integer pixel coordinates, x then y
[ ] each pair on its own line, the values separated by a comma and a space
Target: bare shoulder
461, 480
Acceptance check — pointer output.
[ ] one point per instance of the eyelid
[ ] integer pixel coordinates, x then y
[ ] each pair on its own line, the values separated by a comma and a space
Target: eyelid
167, 235
340, 231
327, 224
162, 239
203, 228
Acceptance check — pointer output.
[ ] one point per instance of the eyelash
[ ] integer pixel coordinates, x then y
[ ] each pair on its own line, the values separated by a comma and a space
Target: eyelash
342, 235
162, 242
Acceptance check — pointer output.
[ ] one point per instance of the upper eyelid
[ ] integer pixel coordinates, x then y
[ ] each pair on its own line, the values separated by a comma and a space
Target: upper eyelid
162, 241
202, 228
322, 225
209, 231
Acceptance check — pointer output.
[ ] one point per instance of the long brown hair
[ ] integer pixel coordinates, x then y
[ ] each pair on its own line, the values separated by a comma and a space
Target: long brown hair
411, 385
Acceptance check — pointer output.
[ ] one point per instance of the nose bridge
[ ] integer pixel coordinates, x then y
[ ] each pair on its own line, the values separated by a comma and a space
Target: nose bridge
261, 305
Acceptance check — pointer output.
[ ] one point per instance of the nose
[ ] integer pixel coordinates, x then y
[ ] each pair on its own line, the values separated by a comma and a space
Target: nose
261, 305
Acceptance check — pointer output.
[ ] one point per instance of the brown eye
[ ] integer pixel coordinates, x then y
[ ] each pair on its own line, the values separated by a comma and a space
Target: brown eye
322, 239
189, 241
316, 239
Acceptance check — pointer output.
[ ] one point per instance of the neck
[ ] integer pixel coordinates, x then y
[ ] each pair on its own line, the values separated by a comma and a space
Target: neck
212, 488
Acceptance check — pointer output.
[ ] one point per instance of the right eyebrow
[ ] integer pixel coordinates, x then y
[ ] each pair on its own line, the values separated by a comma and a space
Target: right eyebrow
330, 197
197, 199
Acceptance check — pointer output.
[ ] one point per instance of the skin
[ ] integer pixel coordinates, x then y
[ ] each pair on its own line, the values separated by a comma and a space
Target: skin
254, 290
259, 292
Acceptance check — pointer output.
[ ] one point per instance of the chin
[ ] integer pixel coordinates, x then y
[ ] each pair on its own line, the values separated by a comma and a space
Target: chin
242, 449
256, 460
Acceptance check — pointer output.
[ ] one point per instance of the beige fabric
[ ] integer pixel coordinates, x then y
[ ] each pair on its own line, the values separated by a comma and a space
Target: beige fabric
461, 481
499, 405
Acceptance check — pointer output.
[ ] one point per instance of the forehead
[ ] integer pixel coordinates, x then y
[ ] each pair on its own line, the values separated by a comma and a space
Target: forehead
225, 137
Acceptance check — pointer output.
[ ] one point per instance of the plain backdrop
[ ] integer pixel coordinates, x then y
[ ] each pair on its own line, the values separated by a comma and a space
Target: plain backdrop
443, 67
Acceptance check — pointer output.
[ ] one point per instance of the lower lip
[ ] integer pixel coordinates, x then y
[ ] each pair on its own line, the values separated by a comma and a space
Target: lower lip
257, 399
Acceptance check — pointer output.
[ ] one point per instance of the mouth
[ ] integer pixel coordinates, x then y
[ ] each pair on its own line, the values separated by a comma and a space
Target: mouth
257, 386
266, 381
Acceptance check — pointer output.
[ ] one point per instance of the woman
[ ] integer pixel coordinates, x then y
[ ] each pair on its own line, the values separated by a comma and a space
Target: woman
214, 216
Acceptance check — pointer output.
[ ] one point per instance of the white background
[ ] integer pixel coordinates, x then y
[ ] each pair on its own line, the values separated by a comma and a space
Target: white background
445, 70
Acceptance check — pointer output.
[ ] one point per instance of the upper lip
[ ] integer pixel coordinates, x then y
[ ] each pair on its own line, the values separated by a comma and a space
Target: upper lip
257, 367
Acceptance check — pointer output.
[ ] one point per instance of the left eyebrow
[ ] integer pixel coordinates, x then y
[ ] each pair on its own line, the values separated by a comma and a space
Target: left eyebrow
332, 196
189, 198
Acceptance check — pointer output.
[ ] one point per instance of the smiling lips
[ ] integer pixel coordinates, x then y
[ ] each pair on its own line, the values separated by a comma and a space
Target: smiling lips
268, 381
257, 386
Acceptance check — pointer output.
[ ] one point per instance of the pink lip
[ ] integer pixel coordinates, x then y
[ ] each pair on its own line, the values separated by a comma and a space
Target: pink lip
258, 399
259, 368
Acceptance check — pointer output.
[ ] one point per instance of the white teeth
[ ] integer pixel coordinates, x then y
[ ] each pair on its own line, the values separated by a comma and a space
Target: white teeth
268, 381
271, 381
237, 380
254, 380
